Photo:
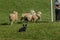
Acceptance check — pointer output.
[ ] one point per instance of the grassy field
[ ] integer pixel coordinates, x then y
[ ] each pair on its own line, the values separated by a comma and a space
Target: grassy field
44, 30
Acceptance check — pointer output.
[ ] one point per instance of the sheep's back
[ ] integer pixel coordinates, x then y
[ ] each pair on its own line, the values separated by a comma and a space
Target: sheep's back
12, 17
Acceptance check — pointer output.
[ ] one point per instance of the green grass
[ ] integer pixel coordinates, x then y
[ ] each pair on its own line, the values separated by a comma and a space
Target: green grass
44, 30
38, 31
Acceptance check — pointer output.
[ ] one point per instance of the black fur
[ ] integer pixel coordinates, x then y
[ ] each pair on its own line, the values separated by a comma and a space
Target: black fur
23, 28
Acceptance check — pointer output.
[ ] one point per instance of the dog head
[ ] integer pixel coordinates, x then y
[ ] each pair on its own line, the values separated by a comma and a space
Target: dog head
24, 25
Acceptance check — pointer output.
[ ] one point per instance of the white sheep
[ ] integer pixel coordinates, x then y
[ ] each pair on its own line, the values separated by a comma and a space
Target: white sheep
13, 17
16, 15
37, 16
34, 18
29, 17
26, 16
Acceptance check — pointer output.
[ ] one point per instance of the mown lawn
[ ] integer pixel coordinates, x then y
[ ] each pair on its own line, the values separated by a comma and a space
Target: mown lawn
36, 31
43, 30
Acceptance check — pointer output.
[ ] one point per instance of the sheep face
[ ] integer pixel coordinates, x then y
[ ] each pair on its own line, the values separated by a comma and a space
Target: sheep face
39, 13
32, 12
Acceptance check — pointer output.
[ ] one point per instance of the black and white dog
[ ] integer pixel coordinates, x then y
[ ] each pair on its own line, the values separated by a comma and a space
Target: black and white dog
23, 28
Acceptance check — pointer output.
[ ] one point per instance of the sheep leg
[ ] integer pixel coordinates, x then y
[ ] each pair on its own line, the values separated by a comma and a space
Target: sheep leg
22, 18
11, 22
35, 20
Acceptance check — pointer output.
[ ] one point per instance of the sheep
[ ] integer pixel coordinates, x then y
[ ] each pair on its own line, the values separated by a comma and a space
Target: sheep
34, 18
13, 17
23, 15
16, 15
28, 16
31, 12
37, 16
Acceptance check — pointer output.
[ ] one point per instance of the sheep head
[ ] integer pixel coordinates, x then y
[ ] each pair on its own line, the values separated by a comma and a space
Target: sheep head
32, 12
15, 12
39, 13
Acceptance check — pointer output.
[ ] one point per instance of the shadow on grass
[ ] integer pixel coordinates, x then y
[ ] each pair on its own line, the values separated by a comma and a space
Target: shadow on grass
20, 22
4, 24
42, 22
24, 22
34, 22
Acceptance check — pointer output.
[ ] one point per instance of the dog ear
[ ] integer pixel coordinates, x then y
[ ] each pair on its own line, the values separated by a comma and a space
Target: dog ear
25, 24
